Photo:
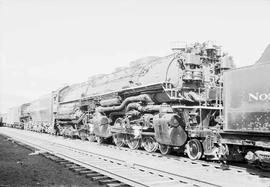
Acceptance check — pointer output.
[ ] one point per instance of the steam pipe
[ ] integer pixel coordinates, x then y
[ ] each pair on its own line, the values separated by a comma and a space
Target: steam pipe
144, 97
138, 107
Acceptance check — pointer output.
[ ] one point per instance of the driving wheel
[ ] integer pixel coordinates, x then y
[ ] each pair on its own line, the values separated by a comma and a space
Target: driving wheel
194, 149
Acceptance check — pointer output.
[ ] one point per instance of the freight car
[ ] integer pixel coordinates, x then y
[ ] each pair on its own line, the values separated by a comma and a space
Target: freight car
39, 114
13, 118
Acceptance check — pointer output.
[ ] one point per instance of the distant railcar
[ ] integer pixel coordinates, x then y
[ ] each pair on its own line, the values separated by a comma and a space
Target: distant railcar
39, 115
3, 119
13, 117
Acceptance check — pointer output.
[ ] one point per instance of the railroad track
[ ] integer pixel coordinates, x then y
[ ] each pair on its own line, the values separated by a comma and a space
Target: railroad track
118, 170
232, 167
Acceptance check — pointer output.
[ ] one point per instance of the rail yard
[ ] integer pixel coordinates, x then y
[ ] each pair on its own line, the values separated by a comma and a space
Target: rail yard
187, 119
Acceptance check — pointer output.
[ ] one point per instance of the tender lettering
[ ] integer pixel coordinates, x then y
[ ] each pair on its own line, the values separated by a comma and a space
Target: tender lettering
258, 96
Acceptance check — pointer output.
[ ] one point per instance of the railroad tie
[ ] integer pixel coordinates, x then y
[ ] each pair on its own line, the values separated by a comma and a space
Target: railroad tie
80, 169
100, 178
116, 185
107, 181
87, 171
52, 157
90, 175
58, 160
69, 165
63, 162
74, 167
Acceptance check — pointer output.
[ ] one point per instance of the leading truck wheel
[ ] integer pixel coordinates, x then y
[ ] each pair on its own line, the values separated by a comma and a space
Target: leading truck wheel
164, 149
194, 149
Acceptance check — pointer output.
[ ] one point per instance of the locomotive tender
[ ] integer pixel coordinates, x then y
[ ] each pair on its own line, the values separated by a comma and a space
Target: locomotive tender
189, 101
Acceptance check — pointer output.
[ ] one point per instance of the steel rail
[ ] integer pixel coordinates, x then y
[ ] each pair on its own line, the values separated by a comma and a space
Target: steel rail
77, 161
145, 167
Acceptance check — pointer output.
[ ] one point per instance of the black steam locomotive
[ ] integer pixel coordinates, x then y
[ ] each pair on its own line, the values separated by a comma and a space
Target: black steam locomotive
190, 100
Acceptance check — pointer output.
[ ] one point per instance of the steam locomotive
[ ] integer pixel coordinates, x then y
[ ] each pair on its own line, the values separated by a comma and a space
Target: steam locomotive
193, 100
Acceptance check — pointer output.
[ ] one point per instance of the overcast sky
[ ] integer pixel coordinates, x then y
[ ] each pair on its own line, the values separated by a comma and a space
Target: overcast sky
46, 43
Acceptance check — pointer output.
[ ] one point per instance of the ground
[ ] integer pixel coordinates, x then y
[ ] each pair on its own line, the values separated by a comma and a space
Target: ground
18, 168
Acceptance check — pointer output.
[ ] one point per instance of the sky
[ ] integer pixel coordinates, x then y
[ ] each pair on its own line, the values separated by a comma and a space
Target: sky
45, 44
